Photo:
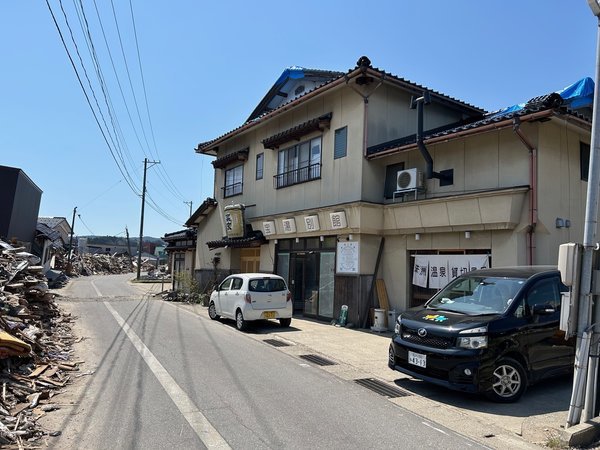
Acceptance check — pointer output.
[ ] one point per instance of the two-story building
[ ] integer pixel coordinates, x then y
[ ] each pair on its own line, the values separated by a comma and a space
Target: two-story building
337, 179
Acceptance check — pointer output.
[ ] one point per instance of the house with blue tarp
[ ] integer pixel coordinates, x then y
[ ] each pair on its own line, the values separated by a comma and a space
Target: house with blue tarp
339, 179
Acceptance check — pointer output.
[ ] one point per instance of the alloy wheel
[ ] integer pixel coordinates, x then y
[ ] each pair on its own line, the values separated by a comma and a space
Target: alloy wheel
507, 381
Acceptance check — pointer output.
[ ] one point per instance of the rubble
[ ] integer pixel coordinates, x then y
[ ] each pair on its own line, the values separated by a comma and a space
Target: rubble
35, 348
100, 264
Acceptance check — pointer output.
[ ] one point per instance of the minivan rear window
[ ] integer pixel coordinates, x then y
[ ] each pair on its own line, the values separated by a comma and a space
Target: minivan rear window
266, 285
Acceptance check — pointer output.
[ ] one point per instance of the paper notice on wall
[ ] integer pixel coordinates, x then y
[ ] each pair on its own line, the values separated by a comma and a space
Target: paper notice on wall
478, 262
421, 271
436, 271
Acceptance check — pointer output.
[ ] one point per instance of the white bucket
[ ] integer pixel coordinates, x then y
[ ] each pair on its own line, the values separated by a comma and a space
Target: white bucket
379, 321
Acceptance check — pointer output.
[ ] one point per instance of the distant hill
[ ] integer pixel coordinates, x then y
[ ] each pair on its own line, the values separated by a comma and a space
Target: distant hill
120, 240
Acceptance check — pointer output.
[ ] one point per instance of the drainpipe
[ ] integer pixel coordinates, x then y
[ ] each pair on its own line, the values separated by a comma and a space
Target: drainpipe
533, 192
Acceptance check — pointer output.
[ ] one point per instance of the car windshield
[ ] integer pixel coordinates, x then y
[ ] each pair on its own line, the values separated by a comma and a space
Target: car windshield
266, 285
477, 295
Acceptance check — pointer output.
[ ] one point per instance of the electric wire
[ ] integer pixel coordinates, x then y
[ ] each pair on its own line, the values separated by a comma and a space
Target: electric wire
119, 149
87, 96
85, 225
168, 182
119, 137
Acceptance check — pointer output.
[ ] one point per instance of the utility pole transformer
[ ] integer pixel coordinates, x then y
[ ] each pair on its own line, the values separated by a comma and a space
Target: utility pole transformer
139, 258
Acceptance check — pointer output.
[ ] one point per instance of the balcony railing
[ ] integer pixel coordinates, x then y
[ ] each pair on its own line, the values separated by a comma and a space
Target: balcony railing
297, 176
232, 189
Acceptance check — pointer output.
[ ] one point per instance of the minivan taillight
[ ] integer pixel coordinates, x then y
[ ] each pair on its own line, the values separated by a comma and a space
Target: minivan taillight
248, 298
289, 296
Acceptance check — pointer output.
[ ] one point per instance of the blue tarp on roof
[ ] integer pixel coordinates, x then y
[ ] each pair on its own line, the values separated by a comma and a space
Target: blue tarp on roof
294, 73
577, 95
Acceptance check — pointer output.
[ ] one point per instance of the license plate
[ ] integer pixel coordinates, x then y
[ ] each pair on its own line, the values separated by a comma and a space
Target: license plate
417, 359
269, 314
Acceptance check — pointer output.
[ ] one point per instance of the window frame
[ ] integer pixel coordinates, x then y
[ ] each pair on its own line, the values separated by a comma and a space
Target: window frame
237, 187
336, 139
299, 163
584, 160
260, 166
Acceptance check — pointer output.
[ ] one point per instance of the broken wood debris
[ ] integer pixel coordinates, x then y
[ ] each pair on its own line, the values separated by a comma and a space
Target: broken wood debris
35, 348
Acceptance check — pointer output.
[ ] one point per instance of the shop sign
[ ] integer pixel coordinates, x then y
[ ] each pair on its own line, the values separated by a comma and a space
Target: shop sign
235, 226
289, 225
338, 220
312, 223
269, 228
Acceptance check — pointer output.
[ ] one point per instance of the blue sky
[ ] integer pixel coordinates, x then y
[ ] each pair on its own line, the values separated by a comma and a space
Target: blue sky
206, 65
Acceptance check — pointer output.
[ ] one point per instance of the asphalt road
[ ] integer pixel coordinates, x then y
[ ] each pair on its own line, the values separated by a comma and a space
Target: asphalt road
164, 377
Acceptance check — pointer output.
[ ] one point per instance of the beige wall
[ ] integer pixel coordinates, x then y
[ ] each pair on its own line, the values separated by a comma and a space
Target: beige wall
496, 162
340, 178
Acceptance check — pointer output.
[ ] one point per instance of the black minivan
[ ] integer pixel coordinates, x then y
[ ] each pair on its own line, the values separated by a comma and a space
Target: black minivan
494, 331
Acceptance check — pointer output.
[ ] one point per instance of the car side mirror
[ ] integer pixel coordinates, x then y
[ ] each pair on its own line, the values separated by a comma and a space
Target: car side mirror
543, 310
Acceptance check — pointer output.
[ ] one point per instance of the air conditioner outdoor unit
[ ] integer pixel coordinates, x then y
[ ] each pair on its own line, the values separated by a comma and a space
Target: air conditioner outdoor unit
409, 179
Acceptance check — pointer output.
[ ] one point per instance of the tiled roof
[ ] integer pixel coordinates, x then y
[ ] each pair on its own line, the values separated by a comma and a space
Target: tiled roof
254, 239
406, 84
536, 105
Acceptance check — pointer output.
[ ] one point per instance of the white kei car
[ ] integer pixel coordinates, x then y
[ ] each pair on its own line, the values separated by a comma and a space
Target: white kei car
252, 296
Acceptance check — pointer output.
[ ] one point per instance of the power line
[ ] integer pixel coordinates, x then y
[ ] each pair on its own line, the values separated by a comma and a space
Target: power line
88, 98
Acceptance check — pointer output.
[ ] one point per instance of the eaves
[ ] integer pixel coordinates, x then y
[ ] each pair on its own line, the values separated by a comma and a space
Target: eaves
485, 126
211, 147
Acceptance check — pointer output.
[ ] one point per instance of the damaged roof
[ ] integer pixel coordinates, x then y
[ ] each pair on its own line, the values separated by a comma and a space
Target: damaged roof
575, 101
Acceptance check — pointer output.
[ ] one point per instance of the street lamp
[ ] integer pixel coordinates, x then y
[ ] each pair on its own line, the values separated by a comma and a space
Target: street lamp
595, 7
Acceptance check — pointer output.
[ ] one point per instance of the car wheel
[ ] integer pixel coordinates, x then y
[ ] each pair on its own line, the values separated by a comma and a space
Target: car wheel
212, 311
509, 381
391, 357
285, 322
240, 323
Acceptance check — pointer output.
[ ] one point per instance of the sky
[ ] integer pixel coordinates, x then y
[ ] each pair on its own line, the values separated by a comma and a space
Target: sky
160, 77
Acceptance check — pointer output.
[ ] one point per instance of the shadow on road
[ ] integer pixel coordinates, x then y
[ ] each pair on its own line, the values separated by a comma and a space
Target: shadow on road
548, 396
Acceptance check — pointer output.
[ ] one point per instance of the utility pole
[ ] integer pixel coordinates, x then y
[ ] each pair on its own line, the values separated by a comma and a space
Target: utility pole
189, 203
583, 395
70, 255
139, 258
129, 249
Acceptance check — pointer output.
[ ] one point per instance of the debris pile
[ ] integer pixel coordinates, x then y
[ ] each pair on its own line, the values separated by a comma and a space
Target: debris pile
100, 264
35, 347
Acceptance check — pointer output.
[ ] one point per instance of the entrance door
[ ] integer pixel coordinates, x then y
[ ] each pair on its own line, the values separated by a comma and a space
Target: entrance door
304, 283
250, 260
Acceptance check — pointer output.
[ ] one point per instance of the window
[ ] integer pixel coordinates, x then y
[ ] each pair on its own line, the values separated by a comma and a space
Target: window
299, 163
225, 285
236, 285
545, 292
260, 161
341, 143
233, 181
584, 160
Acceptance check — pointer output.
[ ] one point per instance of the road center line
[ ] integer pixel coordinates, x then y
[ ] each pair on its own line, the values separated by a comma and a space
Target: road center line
199, 423
98, 293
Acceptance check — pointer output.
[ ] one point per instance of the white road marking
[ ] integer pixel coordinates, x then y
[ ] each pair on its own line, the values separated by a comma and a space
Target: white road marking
436, 429
96, 289
199, 423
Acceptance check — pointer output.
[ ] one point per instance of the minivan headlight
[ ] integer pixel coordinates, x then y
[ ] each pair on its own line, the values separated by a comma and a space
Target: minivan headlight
398, 325
473, 342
